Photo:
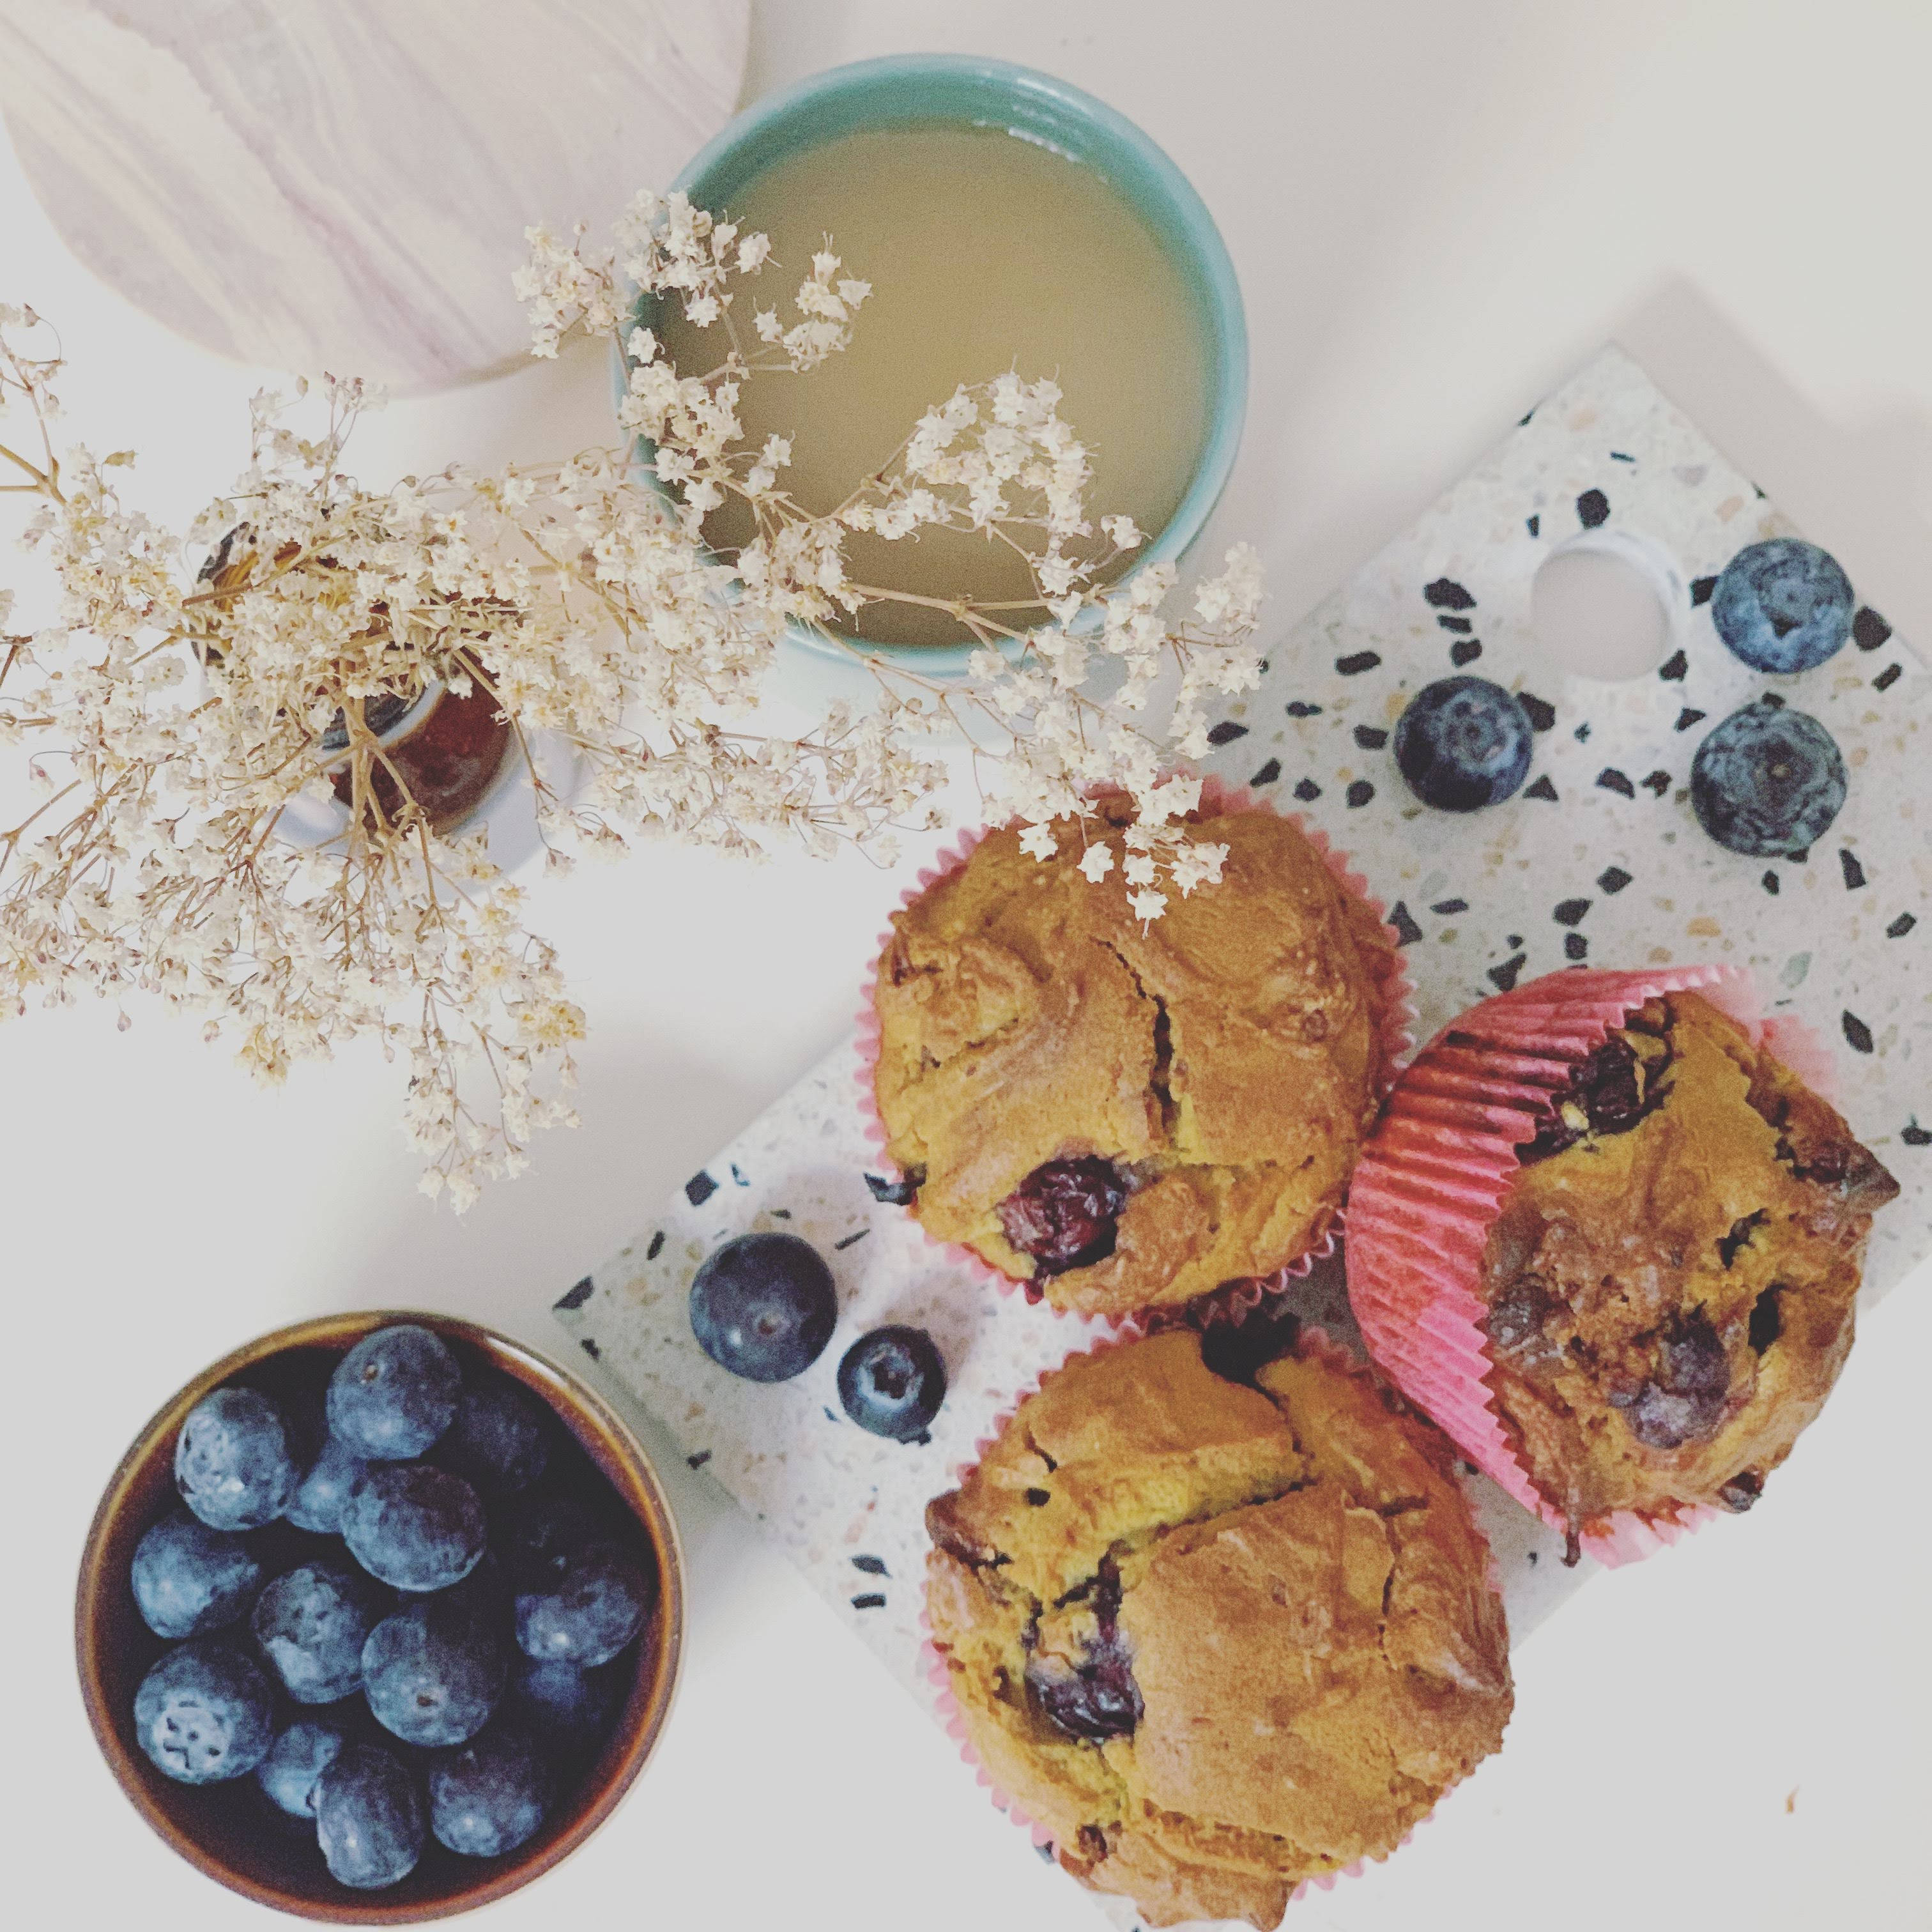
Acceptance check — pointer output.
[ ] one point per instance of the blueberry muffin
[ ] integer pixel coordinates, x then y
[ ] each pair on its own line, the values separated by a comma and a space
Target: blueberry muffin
1669, 1286
1120, 1117
1217, 1637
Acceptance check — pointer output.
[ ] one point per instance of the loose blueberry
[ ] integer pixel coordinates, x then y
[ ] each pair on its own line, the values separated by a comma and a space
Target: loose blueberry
415, 1526
205, 1713
1065, 1213
763, 1307
892, 1382
1463, 743
394, 1393
434, 1671
312, 1623
368, 1819
189, 1580
324, 1489
233, 1464
489, 1797
293, 1767
1767, 782
591, 1602
569, 1709
500, 1439
1783, 605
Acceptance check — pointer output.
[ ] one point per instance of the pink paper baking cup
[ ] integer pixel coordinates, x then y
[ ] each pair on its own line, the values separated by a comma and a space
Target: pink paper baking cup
1431, 1183
1311, 1341
1395, 1021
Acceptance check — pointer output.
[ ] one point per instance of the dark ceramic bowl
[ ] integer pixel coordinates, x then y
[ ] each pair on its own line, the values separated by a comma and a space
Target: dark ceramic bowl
230, 1831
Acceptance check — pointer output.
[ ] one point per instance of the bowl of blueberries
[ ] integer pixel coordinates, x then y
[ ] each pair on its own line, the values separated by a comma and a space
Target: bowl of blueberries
379, 1618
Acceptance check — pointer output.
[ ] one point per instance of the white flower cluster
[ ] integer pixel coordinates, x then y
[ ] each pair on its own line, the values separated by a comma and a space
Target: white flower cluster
189, 692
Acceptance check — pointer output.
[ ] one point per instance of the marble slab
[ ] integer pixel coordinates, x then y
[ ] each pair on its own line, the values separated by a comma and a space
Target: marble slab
343, 184
1612, 868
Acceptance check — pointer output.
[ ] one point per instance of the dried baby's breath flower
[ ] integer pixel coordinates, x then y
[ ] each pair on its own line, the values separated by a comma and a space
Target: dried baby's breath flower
191, 695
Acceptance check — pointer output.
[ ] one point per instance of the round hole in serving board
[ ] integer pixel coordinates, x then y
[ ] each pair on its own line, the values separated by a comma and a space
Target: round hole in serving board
1607, 604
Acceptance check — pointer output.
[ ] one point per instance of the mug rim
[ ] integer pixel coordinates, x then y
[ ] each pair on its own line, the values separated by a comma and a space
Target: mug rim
1224, 317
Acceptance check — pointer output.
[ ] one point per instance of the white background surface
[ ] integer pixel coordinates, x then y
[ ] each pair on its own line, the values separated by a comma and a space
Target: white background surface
1438, 209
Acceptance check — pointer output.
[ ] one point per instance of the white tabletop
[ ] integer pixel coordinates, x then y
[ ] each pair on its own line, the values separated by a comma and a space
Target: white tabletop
1437, 211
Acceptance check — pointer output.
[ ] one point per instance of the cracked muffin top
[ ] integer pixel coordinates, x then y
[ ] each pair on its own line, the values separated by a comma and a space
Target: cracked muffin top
1670, 1283
1125, 1118
1217, 1638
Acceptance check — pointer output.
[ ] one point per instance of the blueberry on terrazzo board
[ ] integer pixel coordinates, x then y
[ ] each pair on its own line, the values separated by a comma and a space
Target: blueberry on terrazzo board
1463, 743
1783, 605
891, 1383
763, 1307
1768, 782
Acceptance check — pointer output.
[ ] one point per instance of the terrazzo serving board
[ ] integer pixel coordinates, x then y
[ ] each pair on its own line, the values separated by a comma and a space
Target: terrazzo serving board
1600, 859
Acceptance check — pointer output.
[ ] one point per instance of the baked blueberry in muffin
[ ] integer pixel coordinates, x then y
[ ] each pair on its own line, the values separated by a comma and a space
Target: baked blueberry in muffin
1125, 1116
1670, 1284
1217, 1637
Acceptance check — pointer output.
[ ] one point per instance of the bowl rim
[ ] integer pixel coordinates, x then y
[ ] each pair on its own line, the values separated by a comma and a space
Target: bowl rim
656, 1519
1225, 327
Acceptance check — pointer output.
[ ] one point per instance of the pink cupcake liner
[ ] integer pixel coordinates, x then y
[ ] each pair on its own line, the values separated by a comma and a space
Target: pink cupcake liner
1311, 1341
1431, 1182
1396, 1020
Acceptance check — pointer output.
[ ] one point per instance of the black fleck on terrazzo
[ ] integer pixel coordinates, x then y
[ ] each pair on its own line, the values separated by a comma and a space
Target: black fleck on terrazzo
1855, 873
900, 1193
1534, 525
1617, 456
1611, 779
1299, 708
1356, 662
1461, 626
1446, 594
738, 1175
780, 1213
1674, 667
1448, 908
1582, 733
656, 1247
699, 1188
1688, 717
1504, 975
1901, 925
1407, 931
590, 1348
1569, 912
1371, 737
1465, 650
1657, 783
1308, 791
698, 1458
1858, 1035
869, 1600
1915, 1135
1226, 732
1542, 788
576, 1297
1541, 714
1612, 879
1359, 794
1575, 945
1701, 588
873, 1566
851, 1239
1869, 630
1268, 773
1887, 677
1593, 508
1769, 882
1514, 939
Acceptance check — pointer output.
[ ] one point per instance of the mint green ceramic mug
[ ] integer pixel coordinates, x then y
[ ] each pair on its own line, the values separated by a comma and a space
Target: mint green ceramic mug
913, 89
